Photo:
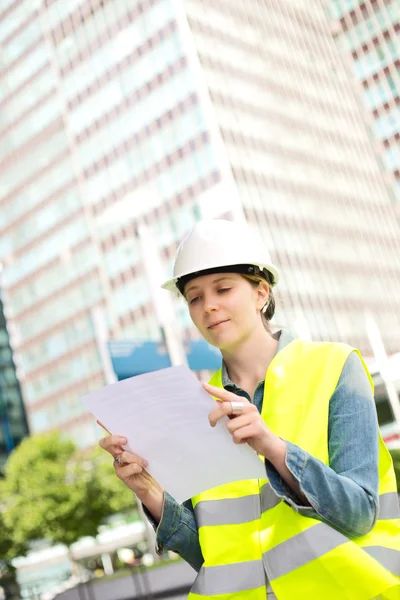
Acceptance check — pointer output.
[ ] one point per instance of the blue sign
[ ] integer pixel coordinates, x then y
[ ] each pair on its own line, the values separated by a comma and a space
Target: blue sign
202, 356
132, 357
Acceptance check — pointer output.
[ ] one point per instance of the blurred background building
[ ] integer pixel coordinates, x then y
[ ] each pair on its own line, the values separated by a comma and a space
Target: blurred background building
13, 425
162, 112
368, 35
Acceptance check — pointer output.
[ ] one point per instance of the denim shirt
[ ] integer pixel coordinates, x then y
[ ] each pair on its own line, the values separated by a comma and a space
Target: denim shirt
344, 494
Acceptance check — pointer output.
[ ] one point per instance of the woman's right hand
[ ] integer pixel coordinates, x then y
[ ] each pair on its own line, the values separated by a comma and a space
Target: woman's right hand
131, 469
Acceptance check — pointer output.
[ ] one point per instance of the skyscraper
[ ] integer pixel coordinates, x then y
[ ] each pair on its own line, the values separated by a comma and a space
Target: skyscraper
13, 425
367, 34
164, 112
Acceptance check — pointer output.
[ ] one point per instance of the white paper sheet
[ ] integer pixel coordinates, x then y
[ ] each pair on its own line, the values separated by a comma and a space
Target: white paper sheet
164, 416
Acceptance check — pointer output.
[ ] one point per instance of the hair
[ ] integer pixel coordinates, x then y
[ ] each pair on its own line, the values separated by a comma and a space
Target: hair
268, 310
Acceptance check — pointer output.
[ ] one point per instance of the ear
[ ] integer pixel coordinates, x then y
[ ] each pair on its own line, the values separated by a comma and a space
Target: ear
262, 294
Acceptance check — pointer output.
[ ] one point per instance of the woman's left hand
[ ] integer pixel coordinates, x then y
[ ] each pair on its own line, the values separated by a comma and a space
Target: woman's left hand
246, 426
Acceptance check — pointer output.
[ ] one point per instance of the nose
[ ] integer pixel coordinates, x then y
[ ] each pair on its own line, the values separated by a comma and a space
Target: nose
210, 303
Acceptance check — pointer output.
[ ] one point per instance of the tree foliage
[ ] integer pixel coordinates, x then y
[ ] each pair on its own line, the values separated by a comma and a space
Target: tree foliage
9, 549
54, 491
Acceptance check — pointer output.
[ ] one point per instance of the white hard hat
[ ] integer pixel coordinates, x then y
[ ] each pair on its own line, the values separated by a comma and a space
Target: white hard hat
214, 244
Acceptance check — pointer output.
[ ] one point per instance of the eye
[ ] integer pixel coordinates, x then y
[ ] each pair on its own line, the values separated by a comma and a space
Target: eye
193, 300
223, 290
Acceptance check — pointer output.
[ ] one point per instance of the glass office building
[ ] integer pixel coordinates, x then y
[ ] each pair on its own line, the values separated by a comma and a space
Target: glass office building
167, 111
368, 35
13, 424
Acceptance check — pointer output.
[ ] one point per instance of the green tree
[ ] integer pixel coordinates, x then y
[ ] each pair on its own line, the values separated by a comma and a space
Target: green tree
53, 491
396, 463
8, 548
8, 551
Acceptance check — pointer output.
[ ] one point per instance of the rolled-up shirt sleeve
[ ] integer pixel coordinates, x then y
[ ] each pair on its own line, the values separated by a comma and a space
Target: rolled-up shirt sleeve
345, 493
177, 531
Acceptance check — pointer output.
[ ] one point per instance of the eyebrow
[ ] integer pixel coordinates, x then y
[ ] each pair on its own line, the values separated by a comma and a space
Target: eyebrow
194, 287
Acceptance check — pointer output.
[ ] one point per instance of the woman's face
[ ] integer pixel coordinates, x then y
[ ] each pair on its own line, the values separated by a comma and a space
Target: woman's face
225, 307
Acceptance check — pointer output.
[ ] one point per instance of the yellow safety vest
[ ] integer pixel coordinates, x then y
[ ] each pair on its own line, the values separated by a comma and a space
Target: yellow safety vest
250, 538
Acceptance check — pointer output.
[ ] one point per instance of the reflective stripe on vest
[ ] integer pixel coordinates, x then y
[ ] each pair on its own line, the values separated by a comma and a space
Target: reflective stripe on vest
231, 511
288, 556
301, 549
314, 543
387, 557
228, 579
389, 506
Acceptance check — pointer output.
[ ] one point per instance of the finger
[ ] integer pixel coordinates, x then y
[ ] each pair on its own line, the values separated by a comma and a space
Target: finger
222, 394
223, 410
113, 443
129, 458
242, 435
238, 422
101, 425
125, 471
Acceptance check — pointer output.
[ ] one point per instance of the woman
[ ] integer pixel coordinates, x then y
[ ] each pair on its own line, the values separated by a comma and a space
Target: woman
325, 521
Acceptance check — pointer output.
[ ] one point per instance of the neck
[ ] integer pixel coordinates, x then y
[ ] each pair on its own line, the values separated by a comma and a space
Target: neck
247, 364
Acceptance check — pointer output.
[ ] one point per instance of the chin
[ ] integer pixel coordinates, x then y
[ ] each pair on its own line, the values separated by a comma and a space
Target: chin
212, 341
226, 343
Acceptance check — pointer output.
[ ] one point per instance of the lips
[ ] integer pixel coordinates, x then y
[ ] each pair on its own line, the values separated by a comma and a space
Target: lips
217, 323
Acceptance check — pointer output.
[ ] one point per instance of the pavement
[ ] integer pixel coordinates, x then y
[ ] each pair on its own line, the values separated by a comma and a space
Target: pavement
170, 581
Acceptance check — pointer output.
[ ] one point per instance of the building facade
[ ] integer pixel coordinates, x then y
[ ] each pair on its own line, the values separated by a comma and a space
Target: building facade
368, 36
13, 424
163, 112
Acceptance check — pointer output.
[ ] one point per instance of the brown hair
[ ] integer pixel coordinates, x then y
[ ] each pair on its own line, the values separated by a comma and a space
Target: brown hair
268, 311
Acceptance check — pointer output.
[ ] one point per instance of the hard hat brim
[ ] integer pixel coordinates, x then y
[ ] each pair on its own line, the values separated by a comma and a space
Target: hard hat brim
171, 284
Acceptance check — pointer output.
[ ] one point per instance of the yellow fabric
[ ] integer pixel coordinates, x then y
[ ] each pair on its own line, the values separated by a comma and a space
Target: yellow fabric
298, 386
240, 544
232, 490
335, 577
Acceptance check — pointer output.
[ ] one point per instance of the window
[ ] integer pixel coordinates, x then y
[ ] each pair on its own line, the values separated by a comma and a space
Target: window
391, 156
3, 337
5, 355
7, 376
18, 14
19, 44
28, 128
388, 124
